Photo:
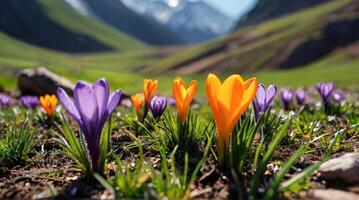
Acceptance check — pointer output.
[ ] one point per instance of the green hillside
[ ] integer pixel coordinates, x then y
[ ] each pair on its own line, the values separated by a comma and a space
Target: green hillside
116, 14
54, 25
260, 47
119, 68
59, 12
269, 9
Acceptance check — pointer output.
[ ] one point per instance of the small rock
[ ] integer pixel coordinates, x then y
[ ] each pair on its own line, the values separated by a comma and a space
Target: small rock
331, 194
41, 81
73, 178
344, 168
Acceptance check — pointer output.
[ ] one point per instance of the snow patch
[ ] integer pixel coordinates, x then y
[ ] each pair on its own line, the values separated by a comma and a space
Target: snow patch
79, 6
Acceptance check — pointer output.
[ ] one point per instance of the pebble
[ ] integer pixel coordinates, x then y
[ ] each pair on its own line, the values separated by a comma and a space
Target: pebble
331, 194
344, 168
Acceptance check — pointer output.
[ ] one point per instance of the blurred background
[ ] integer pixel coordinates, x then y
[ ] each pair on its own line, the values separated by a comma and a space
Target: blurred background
287, 42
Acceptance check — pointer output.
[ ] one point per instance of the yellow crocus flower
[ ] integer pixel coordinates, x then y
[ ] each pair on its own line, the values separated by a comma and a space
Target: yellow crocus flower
49, 103
183, 96
149, 89
137, 103
228, 101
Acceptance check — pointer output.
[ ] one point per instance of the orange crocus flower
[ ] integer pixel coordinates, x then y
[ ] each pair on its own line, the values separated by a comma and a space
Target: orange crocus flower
137, 102
228, 101
49, 104
149, 89
183, 96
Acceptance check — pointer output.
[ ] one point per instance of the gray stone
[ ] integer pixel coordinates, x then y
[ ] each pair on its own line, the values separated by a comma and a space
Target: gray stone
41, 81
331, 194
344, 168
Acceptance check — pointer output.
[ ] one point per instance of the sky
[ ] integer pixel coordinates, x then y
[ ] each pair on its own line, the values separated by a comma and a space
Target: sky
233, 8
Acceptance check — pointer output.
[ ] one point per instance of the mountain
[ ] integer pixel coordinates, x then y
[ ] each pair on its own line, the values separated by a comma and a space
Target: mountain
269, 9
293, 40
26, 21
194, 21
51, 24
117, 15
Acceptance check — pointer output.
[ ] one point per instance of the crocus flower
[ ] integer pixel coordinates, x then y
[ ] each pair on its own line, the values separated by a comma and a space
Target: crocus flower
158, 105
171, 101
91, 108
49, 104
339, 96
5, 101
286, 95
137, 103
183, 96
149, 90
325, 90
263, 99
301, 96
29, 101
228, 101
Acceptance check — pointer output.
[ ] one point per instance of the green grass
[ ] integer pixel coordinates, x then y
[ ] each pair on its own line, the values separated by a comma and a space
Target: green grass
338, 68
122, 69
118, 69
16, 55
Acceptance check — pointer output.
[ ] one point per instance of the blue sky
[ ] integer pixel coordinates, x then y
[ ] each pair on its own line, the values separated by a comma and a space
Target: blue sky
233, 8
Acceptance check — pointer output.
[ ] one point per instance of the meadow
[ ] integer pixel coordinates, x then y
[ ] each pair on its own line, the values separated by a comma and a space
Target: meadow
132, 61
218, 120
248, 142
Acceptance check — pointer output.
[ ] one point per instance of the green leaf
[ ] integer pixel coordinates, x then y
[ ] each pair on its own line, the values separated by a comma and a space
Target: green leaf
266, 158
105, 145
74, 148
273, 190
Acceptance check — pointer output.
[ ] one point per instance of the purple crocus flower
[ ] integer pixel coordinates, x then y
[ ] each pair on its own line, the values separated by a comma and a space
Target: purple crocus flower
5, 101
158, 105
263, 99
286, 95
301, 96
339, 96
91, 107
325, 90
171, 101
29, 101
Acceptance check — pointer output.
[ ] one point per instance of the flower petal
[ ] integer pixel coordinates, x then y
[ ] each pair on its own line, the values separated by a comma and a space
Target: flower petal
179, 92
101, 90
261, 95
190, 92
271, 93
113, 101
86, 103
213, 86
68, 105
228, 97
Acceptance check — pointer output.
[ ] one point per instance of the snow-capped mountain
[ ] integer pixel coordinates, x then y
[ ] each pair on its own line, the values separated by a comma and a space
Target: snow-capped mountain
158, 9
193, 20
